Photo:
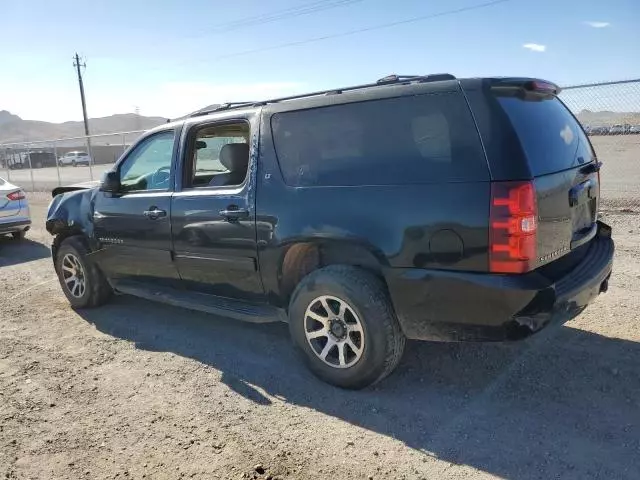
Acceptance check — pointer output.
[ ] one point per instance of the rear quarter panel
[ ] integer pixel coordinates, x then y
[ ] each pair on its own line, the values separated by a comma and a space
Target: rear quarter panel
429, 226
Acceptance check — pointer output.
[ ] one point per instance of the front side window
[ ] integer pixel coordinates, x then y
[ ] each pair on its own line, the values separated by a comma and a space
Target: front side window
148, 166
220, 156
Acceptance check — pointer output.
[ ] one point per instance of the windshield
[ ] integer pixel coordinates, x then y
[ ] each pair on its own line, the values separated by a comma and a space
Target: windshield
2, 181
550, 136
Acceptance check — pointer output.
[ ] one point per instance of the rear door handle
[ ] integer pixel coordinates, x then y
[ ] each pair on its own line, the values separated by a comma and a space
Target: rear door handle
154, 213
234, 214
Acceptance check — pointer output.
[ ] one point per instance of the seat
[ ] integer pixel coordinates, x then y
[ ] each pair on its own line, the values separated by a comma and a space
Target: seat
235, 158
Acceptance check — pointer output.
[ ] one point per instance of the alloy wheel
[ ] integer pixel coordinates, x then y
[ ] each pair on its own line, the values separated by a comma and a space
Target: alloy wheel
73, 275
334, 331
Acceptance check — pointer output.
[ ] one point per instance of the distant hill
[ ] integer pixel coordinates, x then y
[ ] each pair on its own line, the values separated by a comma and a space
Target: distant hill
597, 119
14, 129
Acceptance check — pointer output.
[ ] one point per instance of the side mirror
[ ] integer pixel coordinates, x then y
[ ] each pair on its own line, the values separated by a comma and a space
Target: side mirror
110, 182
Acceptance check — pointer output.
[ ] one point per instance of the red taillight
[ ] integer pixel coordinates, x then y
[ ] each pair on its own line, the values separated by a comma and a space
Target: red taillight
543, 87
17, 195
513, 227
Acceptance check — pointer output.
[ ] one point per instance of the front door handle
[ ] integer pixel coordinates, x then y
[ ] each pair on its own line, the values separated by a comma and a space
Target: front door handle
154, 213
234, 214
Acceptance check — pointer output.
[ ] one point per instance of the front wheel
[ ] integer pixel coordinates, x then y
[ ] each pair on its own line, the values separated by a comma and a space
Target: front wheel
342, 321
82, 282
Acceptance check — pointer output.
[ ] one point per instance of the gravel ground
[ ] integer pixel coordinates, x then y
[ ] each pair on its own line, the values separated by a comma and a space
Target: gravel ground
138, 390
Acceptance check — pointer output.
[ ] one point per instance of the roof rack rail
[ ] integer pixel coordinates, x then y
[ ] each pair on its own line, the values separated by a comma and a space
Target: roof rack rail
219, 107
434, 77
388, 80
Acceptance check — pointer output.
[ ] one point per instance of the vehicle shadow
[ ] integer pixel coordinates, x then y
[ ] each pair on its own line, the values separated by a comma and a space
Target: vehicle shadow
14, 252
563, 404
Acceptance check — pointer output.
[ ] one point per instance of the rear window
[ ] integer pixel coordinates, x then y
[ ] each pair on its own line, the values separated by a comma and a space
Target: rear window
550, 136
406, 140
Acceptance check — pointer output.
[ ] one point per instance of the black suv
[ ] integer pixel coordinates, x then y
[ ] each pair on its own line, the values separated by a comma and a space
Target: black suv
421, 207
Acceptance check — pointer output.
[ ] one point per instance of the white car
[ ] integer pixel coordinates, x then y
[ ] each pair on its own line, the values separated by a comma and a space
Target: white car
15, 218
74, 159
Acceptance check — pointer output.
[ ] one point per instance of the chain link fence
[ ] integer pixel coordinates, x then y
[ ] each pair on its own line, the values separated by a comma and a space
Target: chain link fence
610, 114
43, 165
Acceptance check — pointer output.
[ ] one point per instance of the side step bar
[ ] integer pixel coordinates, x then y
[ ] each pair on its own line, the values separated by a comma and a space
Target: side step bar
224, 307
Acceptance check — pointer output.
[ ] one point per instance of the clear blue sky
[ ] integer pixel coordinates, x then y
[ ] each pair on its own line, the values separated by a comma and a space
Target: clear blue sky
168, 57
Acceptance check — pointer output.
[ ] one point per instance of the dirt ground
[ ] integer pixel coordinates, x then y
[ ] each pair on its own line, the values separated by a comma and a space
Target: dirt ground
137, 390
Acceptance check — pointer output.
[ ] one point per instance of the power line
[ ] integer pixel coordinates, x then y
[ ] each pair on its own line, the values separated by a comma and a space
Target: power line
304, 9
366, 29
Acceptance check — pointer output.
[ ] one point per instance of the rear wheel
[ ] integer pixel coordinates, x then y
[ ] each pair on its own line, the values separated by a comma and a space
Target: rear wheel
19, 235
82, 283
343, 323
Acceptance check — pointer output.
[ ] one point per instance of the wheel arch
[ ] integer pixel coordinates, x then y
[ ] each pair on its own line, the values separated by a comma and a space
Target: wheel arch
70, 214
62, 235
304, 257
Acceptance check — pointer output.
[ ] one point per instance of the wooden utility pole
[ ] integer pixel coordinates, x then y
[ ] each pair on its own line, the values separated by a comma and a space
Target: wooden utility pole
77, 64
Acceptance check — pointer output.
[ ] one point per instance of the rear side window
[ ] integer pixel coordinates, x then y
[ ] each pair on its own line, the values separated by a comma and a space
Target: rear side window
405, 140
550, 136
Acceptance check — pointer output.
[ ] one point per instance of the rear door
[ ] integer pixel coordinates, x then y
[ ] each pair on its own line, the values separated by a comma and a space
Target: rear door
213, 211
562, 163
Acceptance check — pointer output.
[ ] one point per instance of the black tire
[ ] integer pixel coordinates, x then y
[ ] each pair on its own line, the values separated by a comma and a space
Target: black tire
97, 290
367, 296
19, 235
74, 164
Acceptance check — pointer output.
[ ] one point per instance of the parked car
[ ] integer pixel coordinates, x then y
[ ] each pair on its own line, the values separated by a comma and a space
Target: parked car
617, 130
427, 207
599, 130
75, 159
15, 218
634, 130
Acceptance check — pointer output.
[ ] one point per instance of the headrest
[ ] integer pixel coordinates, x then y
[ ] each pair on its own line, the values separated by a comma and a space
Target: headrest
235, 156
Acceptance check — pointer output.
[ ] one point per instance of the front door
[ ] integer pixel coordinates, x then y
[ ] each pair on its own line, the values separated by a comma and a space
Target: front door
133, 226
213, 215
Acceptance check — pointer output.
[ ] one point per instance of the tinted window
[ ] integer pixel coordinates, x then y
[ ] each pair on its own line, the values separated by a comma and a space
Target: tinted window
418, 139
549, 134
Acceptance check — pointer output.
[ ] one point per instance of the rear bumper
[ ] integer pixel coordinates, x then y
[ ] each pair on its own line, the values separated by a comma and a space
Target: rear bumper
439, 305
13, 225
